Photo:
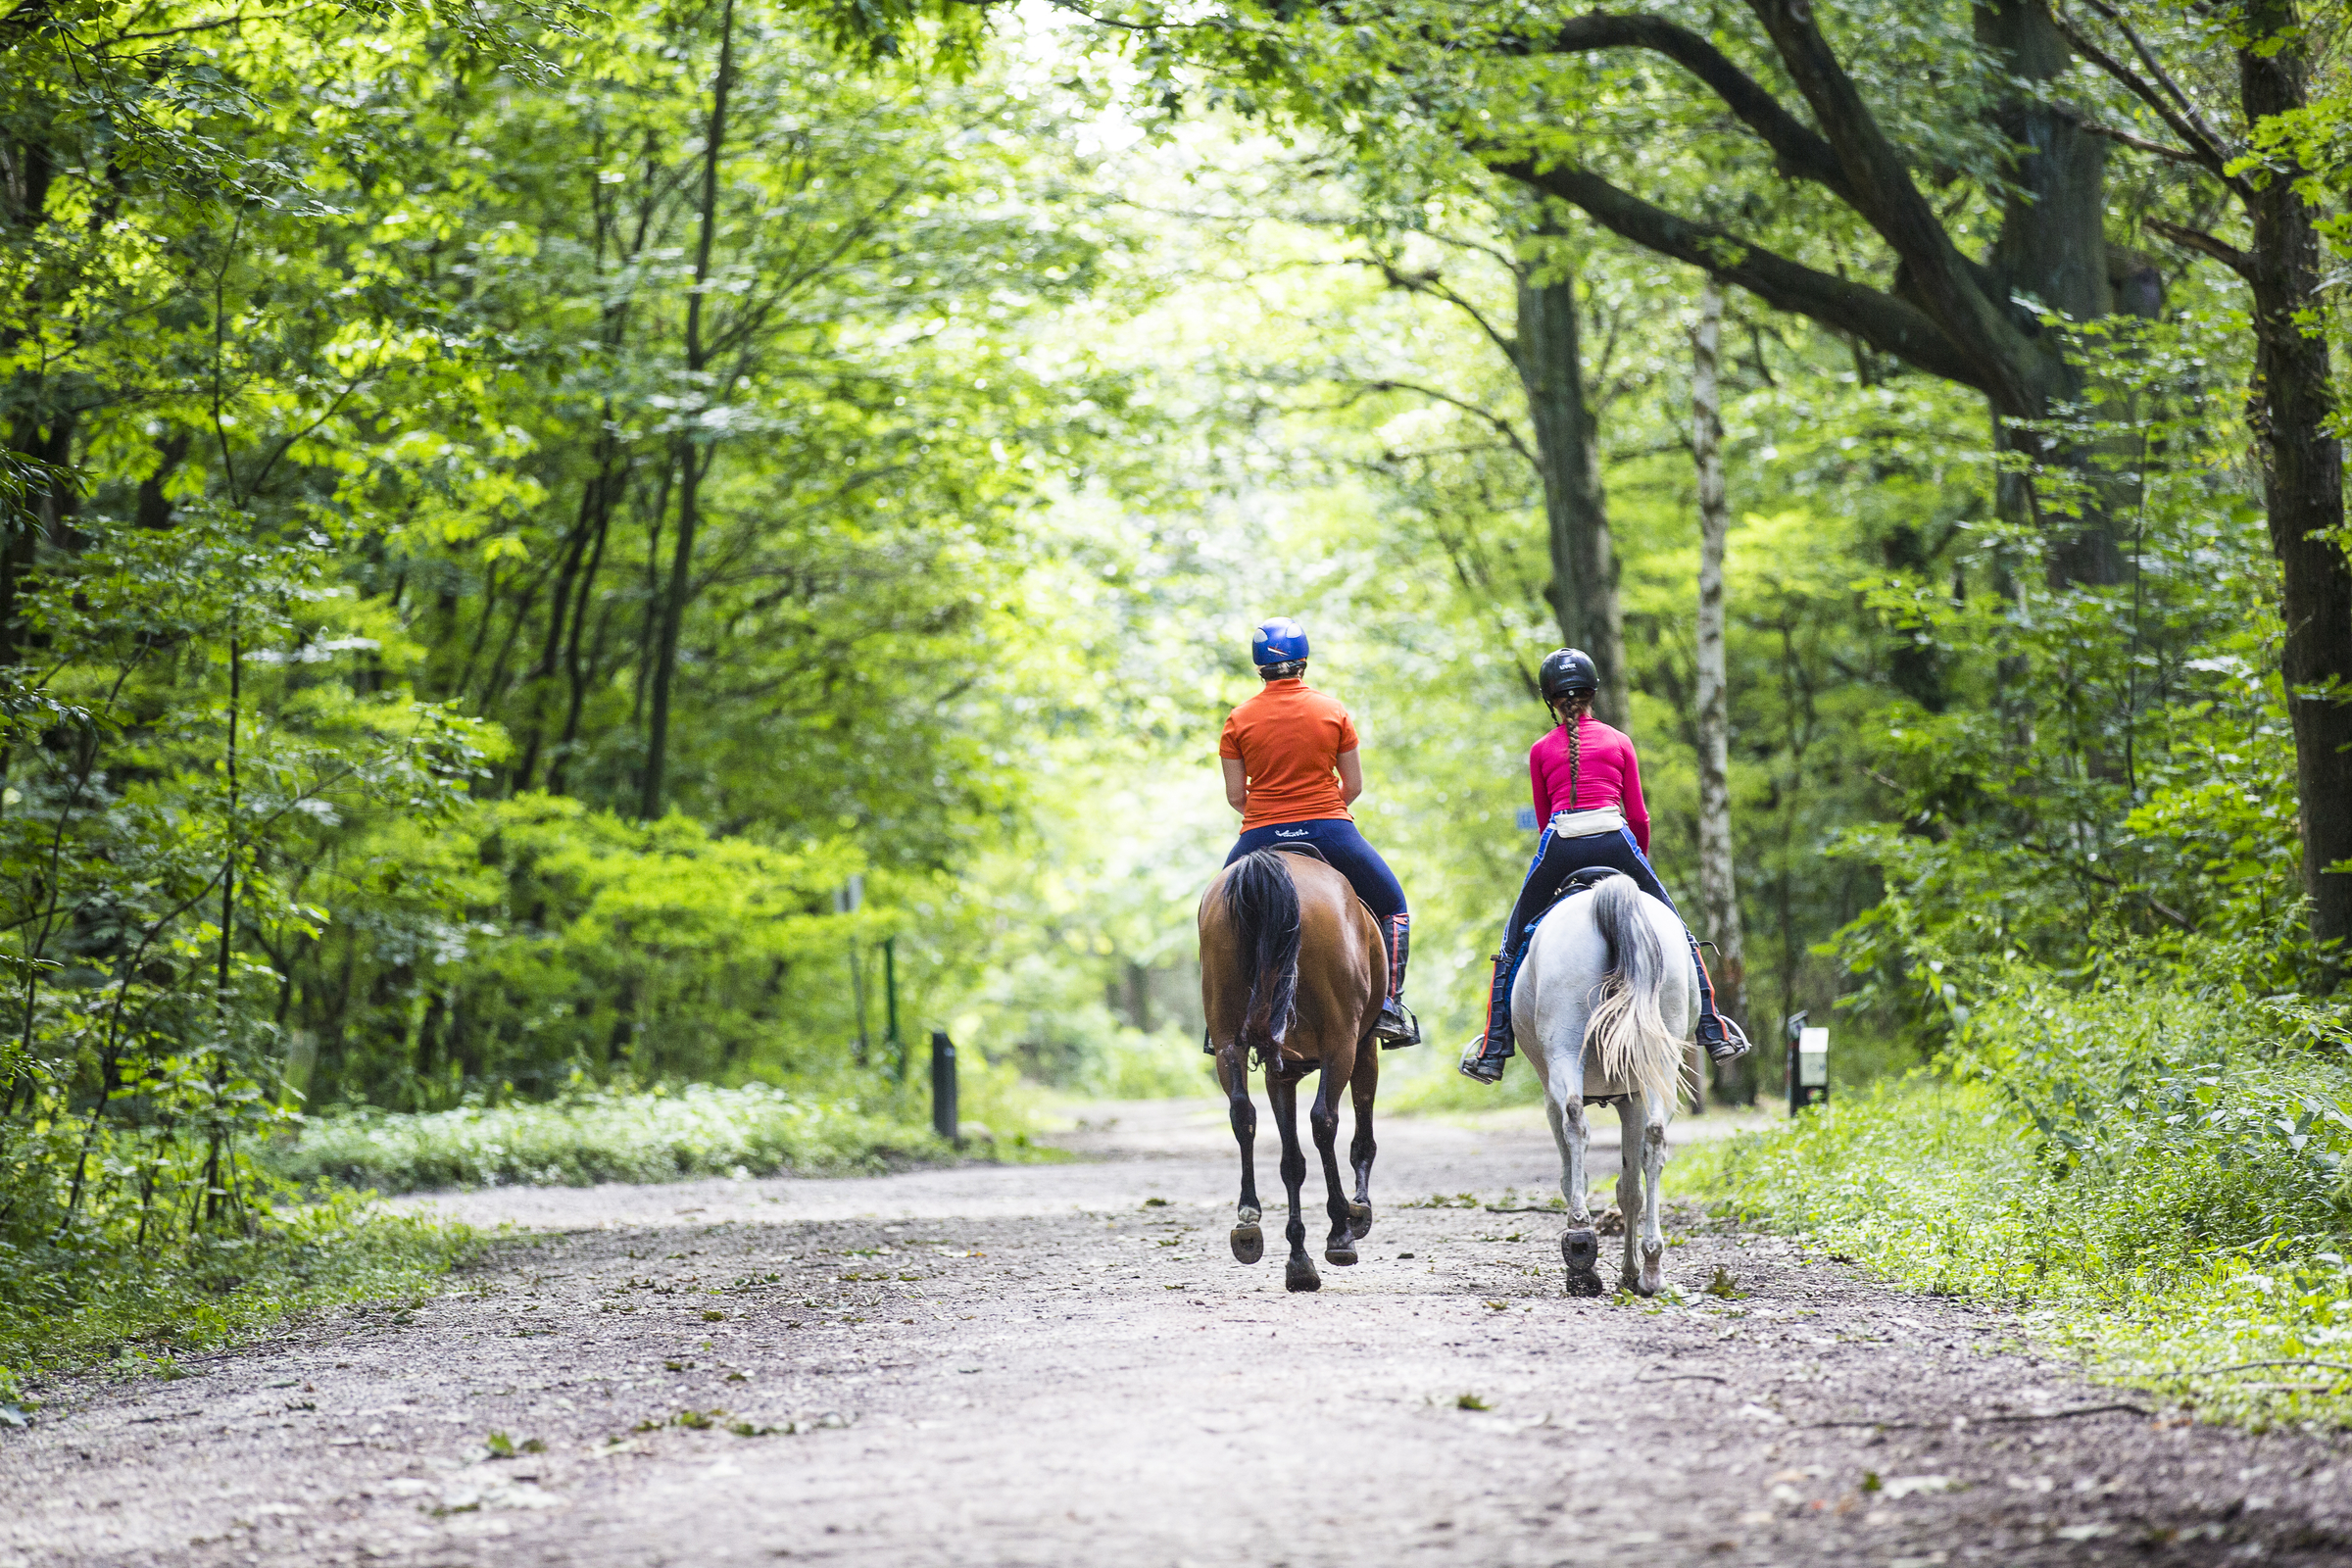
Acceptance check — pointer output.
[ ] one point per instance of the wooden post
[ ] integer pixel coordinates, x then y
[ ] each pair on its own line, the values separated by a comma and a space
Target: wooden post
943, 1086
890, 1002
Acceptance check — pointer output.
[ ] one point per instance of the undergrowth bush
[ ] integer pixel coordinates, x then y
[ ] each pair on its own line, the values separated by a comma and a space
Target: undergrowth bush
2154, 1173
599, 1136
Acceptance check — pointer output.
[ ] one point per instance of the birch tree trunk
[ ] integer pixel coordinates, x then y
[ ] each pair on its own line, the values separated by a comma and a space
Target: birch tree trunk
1718, 892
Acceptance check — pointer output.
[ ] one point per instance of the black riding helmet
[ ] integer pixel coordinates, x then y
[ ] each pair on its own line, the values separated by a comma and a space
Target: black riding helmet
1567, 672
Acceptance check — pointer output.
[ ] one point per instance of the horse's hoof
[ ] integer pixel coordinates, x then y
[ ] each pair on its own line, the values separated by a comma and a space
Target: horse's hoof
1649, 1276
1345, 1257
1248, 1243
1301, 1275
1360, 1219
1580, 1252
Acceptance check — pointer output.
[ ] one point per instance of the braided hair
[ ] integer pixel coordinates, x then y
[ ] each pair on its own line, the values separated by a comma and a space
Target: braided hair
1571, 711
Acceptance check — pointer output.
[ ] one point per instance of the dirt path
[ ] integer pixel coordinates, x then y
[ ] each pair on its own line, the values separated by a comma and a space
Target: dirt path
1063, 1365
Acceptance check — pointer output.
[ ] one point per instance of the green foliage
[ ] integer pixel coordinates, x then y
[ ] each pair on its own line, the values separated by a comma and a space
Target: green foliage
2153, 1173
532, 941
65, 1303
588, 1137
349, 409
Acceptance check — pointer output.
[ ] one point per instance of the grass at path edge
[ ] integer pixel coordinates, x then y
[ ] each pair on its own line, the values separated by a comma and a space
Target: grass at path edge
146, 1314
1941, 1187
92, 1299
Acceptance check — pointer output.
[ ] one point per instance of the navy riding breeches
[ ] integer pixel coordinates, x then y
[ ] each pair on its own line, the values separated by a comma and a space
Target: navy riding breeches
1558, 858
1344, 847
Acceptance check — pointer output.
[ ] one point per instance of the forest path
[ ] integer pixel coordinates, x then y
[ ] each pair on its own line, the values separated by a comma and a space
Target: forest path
1063, 1365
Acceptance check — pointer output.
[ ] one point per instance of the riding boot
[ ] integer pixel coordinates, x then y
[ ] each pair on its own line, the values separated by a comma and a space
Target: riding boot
1485, 1059
1397, 1027
1725, 1041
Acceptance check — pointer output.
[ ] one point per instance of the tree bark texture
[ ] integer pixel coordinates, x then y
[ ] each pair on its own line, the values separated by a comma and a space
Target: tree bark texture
2051, 248
693, 457
2303, 478
1718, 889
1584, 562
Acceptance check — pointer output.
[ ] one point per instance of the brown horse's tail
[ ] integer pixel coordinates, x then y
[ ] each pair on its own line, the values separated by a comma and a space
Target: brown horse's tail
1263, 904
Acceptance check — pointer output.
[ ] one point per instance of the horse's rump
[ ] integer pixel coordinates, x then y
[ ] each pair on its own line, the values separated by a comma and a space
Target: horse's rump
1262, 909
1286, 948
1627, 1037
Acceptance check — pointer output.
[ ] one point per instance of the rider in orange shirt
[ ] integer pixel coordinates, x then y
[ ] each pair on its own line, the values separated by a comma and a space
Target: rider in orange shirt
1290, 755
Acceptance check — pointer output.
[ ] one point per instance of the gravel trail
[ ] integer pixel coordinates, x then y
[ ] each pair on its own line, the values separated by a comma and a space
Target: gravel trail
1063, 1365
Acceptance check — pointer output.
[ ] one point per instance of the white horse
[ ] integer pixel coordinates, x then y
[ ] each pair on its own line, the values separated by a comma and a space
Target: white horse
1605, 1001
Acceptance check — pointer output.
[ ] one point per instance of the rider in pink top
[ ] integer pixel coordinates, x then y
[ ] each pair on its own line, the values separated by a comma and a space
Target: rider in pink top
1606, 773
1588, 788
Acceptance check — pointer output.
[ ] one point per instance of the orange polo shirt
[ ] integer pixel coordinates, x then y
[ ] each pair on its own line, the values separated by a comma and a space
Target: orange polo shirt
1288, 739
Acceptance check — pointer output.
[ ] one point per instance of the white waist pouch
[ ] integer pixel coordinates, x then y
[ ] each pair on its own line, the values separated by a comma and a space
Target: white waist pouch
1584, 824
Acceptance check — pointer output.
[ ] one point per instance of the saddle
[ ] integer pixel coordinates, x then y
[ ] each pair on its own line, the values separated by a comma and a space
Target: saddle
1307, 850
1584, 880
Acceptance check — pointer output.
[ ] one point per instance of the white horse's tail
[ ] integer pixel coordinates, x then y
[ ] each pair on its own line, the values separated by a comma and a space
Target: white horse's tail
1627, 1040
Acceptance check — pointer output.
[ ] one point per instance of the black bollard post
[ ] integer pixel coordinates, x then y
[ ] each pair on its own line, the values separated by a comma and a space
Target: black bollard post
943, 1086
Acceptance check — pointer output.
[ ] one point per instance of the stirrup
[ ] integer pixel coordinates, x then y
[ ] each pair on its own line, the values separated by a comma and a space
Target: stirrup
1734, 1044
1477, 1066
1397, 1031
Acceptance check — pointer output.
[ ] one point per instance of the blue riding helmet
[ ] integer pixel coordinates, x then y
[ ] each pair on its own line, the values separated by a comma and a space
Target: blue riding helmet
1279, 641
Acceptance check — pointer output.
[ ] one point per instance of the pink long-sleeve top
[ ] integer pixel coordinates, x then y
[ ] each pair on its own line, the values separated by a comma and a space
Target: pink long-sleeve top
1607, 773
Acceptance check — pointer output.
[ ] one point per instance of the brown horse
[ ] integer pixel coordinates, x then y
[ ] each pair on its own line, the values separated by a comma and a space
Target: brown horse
1292, 967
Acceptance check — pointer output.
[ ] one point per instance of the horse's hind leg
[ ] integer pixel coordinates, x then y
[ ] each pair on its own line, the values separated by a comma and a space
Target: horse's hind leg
1564, 1107
1248, 1242
1642, 1166
1299, 1271
1324, 1118
1362, 1148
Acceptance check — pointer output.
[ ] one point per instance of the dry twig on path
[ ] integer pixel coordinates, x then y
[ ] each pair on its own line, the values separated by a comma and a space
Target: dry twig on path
1990, 1420
2251, 1366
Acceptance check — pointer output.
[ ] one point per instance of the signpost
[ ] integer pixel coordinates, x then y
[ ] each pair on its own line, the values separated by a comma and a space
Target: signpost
1808, 1064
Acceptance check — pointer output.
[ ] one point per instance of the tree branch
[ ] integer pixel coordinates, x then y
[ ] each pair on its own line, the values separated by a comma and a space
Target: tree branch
2196, 239
1888, 325
1978, 325
2213, 139
1435, 286
2206, 154
1502, 426
2179, 155
1802, 150
2104, 880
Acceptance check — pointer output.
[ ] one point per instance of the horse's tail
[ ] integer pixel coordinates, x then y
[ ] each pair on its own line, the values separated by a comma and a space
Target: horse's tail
1627, 1040
1262, 903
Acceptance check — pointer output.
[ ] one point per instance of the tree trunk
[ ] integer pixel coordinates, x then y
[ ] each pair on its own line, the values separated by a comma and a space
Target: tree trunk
1584, 565
1718, 888
575, 674
558, 607
2303, 479
693, 457
2053, 248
